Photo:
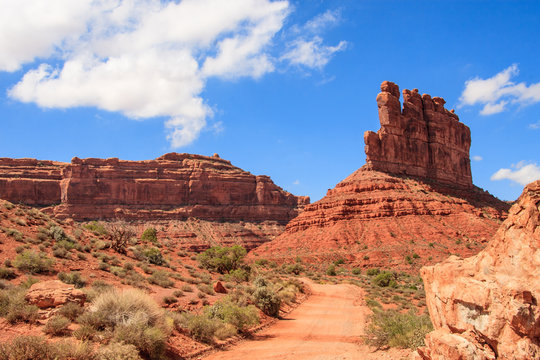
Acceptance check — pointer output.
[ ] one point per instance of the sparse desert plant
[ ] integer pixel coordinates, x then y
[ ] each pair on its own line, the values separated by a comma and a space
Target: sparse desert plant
132, 317
395, 329
96, 227
57, 325
222, 259
385, 279
331, 270
7, 274
120, 235
241, 317
32, 262
118, 351
160, 278
73, 278
267, 300
71, 310
14, 307
149, 234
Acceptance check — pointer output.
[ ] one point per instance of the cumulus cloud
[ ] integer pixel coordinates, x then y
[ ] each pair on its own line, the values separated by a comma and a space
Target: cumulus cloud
521, 173
308, 49
142, 58
496, 92
535, 126
477, 158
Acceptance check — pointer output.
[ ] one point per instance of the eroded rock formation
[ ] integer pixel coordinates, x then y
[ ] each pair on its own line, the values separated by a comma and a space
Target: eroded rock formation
486, 306
174, 186
424, 139
413, 196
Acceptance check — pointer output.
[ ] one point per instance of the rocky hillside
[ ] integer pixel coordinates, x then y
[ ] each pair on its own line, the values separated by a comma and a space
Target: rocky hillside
412, 203
486, 306
205, 200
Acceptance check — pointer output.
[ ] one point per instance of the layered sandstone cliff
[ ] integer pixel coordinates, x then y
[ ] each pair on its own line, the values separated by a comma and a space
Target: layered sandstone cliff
413, 197
486, 306
421, 139
173, 186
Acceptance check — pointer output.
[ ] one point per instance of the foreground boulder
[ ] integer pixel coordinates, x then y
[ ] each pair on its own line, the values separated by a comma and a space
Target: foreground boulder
486, 306
53, 293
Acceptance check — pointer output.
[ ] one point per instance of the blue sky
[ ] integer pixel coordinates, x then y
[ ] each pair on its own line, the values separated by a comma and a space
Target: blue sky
282, 88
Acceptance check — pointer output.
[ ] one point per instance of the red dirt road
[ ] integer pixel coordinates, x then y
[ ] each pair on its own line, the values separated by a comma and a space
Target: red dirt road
328, 325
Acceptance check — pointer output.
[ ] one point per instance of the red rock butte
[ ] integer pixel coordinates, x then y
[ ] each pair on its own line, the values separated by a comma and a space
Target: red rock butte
423, 139
412, 203
173, 186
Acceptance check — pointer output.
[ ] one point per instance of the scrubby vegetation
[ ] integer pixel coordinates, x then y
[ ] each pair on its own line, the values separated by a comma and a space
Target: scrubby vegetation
32, 262
392, 328
222, 259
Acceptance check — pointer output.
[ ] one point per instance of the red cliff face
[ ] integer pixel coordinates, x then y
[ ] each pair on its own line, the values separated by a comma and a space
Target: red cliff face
486, 306
174, 186
423, 139
31, 181
413, 197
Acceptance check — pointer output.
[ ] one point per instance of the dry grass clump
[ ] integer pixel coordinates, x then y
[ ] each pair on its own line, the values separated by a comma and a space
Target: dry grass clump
128, 316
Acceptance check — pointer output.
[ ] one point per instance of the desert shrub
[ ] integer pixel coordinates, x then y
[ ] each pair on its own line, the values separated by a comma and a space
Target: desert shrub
16, 234
14, 307
120, 234
37, 348
267, 300
373, 271
205, 288
57, 325
241, 317
331, 270
169, 300
73, 278
356, 271
118, 351
61, 253
7, 274
132, 317
149, 234
71, 311
96, 227
178, 293
261, 262
104, 266
391, 328
160, 278
295, 269
238, 275
150, 254
32, 262
222, 259
187, 288
385, 279
200, 327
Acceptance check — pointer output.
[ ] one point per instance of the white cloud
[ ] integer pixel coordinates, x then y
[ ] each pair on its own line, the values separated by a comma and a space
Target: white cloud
322, 21
535, 126
523, 173
312, 53
144, 58
477, 158
296, 182
497, 92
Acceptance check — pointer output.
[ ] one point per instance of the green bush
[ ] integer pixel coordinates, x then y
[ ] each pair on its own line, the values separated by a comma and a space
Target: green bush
149, 234
7, 274
391, 328
356, 271
37, 348
385, 279
200, 327
267, 300
222, 259
152, 255
73, 278
238, 275
160, 278
71, 310
57, 325
14, 307
331, 270
241, 317
32, 262
373, 271
295, 269
96, 227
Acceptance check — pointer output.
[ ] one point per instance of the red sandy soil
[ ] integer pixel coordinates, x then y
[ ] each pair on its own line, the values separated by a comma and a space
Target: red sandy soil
328, 325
